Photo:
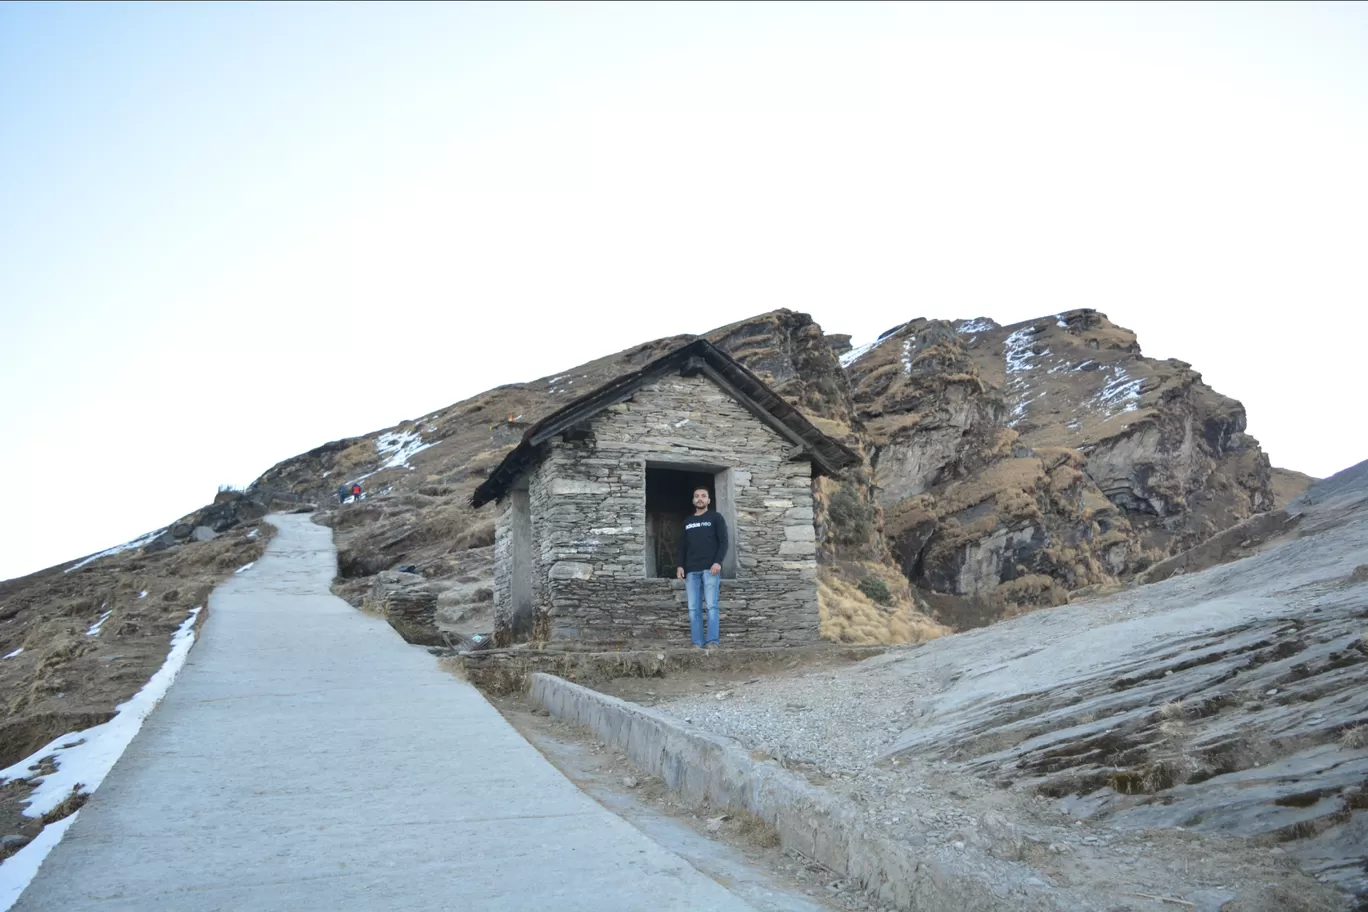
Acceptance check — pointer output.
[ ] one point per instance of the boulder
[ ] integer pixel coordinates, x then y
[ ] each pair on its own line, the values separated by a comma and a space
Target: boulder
412, 611
383, 584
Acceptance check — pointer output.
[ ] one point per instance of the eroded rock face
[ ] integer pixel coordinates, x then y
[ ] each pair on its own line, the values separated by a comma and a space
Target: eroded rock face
1017, 463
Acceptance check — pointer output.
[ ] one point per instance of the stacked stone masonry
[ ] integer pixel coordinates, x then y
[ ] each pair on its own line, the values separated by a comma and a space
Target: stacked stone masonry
587, 503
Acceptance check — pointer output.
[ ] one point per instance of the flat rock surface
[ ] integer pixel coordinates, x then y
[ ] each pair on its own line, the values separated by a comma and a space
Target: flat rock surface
307, 758
1198, 732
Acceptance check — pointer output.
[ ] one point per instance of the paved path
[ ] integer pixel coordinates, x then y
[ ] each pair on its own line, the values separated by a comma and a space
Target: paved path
308, 759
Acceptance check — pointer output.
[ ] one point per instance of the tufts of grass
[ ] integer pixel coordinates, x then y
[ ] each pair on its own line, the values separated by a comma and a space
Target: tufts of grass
72, 803
755, 830
848, 615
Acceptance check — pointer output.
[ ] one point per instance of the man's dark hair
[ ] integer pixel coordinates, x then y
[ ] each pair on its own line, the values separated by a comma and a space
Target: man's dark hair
703, 488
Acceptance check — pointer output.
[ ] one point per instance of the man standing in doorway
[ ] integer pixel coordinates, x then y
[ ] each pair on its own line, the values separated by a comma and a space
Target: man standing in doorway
701, 550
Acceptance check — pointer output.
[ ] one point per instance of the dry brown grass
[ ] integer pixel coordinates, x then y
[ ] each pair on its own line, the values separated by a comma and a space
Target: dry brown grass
837, 430
755, 830
885, 429
1010, 475
1287, 485
359, 455
72, 803
850, 616
1355, 738
1025, 593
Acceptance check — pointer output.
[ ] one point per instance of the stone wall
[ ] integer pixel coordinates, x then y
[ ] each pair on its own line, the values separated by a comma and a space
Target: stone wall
587, 500
503, 573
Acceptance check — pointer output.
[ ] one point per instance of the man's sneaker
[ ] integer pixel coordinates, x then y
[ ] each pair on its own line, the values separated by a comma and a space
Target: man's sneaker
711, 647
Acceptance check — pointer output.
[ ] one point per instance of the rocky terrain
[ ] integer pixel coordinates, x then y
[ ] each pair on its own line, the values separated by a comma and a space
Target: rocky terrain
1199, 738
1016, 464
1006, 468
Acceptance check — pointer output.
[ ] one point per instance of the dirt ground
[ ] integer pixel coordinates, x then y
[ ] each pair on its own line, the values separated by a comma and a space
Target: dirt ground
721, 683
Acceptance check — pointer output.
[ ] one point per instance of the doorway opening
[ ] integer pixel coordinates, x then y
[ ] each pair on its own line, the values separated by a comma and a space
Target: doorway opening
520, 588
669, 501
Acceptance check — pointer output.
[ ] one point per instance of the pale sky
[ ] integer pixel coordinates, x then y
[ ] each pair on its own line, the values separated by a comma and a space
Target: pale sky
230, 233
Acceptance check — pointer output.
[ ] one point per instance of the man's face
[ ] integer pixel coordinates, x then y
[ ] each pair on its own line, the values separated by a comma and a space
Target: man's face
701, 500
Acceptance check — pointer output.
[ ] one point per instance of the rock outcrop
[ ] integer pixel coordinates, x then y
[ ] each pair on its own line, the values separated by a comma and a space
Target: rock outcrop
1018, 463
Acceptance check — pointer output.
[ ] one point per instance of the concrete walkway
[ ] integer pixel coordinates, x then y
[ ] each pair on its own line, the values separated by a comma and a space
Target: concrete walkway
308, 759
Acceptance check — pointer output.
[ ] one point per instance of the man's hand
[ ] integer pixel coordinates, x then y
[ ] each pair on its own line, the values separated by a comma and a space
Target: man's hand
716, 569
680, 574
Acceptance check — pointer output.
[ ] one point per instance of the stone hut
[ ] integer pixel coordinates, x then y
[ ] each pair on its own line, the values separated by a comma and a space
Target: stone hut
592, 501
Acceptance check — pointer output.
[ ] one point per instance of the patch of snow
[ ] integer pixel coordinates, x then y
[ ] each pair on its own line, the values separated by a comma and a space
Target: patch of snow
624, 530
253, 534
680, 424
1018, 350
18, 871
860, 351
1059, 321
553, 380
1020, 358
143, 594
10, 655
400, 446
245, 567
907, 355
970, 327
95, 627
1019, 410
1067, 368
1121, 390
126, 546
326, 474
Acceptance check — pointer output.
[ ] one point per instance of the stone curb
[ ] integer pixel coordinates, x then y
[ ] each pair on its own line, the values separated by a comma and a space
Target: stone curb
710, 769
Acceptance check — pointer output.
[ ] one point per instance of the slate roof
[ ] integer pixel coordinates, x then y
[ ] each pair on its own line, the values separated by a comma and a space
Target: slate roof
697, 357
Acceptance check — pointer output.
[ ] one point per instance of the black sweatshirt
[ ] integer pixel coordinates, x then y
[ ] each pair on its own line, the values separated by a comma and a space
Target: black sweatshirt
704, 542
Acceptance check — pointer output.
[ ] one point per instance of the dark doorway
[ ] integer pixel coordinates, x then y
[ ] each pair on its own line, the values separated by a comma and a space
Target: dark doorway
669, 499
520, 582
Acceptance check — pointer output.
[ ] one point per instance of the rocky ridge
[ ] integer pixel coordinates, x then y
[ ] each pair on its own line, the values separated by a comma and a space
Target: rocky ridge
1016, 464
1005, 467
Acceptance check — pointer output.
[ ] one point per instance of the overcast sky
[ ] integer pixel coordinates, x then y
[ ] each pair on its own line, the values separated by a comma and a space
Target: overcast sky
229, 233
